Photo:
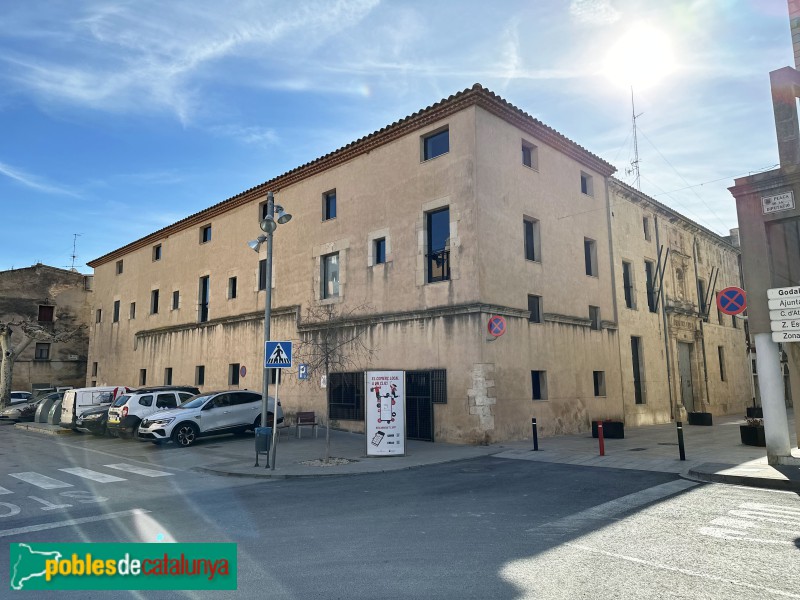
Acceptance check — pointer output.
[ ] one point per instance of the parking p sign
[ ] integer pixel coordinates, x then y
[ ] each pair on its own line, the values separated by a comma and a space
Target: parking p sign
302, 371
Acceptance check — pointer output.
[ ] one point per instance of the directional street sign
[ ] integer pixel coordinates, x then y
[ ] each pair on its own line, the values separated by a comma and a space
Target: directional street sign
786, 292
784, 303
278, 355
784, 314
790, 325
302, 371
731, 300
785, 336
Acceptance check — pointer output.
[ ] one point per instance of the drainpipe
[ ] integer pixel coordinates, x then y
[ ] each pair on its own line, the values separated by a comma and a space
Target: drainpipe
667, 353
702, 321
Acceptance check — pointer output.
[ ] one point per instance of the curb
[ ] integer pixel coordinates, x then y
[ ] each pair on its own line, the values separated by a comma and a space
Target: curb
46, 431
786, 485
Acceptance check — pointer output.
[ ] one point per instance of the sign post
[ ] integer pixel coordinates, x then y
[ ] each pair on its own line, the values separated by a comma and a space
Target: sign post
386, 413
277, 355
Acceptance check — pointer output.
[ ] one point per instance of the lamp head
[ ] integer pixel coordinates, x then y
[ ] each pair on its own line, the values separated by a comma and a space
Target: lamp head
254, 245
268, 224
283, 216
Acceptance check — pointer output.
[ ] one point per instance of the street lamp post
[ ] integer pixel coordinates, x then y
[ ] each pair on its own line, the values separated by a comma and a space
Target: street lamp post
268, 225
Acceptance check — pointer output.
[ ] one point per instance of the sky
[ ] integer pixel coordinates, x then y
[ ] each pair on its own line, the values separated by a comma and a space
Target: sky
120, 117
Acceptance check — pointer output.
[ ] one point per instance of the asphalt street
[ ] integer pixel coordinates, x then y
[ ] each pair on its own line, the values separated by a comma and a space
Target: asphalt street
481, 528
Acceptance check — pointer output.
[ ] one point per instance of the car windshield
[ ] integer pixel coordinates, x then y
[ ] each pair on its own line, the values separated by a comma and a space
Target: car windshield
195, 402
121, 400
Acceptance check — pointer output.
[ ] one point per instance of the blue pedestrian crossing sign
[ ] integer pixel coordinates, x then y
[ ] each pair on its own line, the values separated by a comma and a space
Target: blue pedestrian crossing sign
278, 355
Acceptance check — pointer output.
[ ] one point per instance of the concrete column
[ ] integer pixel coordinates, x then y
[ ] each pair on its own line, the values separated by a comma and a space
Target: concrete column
770, 384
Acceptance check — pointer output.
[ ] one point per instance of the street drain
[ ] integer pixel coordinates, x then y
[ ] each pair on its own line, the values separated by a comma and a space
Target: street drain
636, 449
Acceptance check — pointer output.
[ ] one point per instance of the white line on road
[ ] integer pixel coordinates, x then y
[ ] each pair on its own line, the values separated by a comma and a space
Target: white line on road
688, 572
93, 475
55, 525
41, 481
5, 491
138, 470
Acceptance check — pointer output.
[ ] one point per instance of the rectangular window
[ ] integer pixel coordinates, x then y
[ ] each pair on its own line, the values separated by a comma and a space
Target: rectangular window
701, 296
594, 317
330, 276
379, 251
530, 155
646, 228
438, 229
119, 267
627, 284
94, 369
539, 385
116, 311
586, 184
329, 205
275, 376
590, 256
346, 396
649, 273
734, 322
46, 313
535, 308
233, 374
168, 376
42, 352
157, 252
203, 296
638, 369
142, 377
154, 302
98, 315
599, 379
262, 274
200, 375
720, 317
132, 313
721, 355
231, 288
176, 300
205, 234
531, 233
435, 144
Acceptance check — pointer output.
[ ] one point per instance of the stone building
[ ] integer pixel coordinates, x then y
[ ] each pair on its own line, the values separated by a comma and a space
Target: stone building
466, 209
59, 301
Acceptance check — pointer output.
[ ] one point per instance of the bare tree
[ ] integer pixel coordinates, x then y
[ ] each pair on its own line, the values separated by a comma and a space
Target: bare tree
9, 352
332, 340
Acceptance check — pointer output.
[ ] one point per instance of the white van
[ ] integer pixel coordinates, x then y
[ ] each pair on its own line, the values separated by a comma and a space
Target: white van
76, 402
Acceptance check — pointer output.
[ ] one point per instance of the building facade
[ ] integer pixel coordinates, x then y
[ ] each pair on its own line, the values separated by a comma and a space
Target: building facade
58, 301
417, 234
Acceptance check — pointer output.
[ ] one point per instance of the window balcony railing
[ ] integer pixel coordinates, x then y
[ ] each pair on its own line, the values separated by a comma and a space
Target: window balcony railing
439, 266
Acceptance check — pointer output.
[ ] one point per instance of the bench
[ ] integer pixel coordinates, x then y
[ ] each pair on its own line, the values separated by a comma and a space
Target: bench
283, 426
306, 419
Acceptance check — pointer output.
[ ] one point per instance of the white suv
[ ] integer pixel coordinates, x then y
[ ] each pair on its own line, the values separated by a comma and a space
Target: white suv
210, 413
128, 410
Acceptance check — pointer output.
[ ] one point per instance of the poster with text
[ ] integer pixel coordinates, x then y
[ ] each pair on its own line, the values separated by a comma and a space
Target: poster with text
386, 411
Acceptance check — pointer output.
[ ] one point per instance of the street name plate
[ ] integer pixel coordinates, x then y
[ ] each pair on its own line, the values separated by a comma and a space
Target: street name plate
784, 303
781, 202
786, 336
784, 313
786, 292
790, 325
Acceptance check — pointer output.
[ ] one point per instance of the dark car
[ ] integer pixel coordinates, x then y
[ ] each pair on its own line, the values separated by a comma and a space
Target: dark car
94, 421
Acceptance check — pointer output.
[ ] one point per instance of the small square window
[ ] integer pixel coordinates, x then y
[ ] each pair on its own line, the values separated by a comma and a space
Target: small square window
205, 234
594, 317
157, 252
142, 377
530, 155
42, 352
98, 315
535, 308
168, 376
176, 300
116, 311
586, 184
233, 374
200, 375
119, 267
330, 276
231, 288
46, 313
379, 251
132, 313
590, 256
599, 379
329, 205
435, 144
539, 385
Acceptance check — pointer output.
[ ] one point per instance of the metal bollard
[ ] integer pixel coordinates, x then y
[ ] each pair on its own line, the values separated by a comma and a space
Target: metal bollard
681, 450
600, 438
535, 434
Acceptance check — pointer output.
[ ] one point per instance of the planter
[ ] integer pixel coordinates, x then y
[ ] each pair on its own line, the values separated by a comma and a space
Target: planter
611, 429
755, 412
700, 418
752, 435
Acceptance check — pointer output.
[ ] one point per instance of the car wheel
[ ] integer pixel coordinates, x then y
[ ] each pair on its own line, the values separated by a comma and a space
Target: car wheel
185, 434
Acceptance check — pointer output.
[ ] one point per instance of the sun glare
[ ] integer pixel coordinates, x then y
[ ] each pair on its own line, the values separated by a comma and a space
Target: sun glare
641, 58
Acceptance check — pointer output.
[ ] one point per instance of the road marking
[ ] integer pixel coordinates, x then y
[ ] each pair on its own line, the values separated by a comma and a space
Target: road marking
779, 521
138, 470
609, 510
68, 523
688, 572
5, 491
93, 475
41, 481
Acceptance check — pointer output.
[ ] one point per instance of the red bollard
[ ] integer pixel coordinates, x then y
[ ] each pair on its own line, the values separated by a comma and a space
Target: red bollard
600, 438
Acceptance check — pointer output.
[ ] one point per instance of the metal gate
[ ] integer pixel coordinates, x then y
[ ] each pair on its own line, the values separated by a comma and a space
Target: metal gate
419, 406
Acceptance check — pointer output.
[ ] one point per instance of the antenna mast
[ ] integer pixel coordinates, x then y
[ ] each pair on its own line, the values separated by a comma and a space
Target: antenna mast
634, 169
74, 247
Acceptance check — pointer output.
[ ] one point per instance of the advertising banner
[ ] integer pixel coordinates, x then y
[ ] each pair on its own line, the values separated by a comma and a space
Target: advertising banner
386, 413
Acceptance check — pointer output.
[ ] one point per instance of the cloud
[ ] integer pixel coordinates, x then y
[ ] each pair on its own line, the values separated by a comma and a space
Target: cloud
261, 136
33, 182
594, 12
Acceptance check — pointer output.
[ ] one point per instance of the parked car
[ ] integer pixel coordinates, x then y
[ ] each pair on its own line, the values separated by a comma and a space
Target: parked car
19, 411
128, 410
93, 421
76, 402
212, 413
19, 397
